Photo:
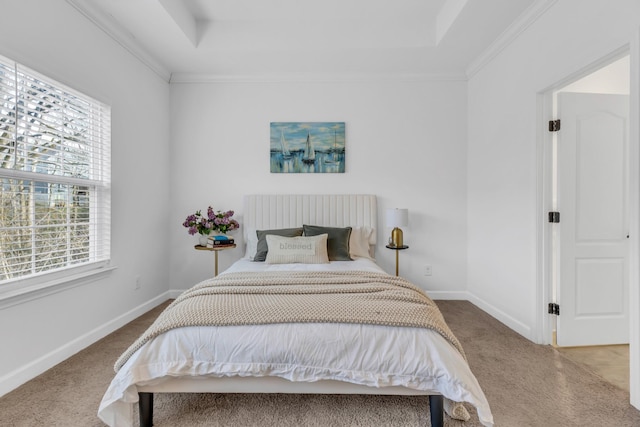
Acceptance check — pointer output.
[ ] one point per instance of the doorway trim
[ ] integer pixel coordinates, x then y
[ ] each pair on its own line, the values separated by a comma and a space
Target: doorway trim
544, 322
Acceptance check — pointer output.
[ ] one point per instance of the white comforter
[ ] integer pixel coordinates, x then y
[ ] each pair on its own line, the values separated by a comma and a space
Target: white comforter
376, 356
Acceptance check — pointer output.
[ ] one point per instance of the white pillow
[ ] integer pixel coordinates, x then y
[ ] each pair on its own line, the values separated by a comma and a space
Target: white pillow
359, 242
252, 244
302, 249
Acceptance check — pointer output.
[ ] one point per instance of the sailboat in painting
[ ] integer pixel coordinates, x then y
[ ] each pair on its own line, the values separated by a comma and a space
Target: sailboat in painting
333, 157
286, 154
309, 156
287, 163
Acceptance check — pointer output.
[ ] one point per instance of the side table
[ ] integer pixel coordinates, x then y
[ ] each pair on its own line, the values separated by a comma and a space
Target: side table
215, 250
397, 249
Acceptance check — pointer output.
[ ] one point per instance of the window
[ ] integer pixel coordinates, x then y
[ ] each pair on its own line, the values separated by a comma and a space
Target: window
55, 148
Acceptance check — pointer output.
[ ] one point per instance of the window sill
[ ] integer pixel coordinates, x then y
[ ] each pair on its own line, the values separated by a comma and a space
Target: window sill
34, 291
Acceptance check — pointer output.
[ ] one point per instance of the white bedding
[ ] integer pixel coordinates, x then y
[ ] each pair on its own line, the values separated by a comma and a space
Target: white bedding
360, 264
376, 356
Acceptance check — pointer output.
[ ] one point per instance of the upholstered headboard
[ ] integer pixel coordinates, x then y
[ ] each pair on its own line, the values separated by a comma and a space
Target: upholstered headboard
269, 211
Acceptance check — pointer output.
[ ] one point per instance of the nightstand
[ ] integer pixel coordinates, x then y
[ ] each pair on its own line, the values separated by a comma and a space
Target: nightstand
215, 250
397, 249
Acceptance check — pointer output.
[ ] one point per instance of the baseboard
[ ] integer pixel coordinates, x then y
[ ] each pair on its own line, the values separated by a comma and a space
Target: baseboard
450, 295
175, 293
501, 316
31, 370
490, 309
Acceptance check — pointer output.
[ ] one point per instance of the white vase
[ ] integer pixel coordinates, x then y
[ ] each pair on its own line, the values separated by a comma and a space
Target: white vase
202, 240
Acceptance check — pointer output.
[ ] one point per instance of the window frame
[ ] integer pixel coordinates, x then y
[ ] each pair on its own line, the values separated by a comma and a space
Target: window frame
97, 260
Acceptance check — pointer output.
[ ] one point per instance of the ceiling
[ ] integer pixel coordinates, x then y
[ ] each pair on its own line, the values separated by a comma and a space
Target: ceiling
245, 38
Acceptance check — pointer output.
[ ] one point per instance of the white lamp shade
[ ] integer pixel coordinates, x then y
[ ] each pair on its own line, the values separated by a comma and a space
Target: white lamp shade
397, 217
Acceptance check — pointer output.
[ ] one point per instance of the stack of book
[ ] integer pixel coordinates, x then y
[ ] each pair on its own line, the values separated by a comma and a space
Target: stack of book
219, 240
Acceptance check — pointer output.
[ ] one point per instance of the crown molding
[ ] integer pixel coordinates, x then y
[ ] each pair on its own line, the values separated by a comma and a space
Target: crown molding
124, 38
514, 30
197, 78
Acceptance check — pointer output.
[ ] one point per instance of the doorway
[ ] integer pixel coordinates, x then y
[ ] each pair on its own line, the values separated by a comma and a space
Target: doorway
586, 178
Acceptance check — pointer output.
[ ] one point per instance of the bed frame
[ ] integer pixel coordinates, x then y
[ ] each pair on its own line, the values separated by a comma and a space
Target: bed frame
284, 211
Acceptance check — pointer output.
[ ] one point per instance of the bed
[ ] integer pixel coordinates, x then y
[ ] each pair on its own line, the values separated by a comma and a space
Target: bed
298, 350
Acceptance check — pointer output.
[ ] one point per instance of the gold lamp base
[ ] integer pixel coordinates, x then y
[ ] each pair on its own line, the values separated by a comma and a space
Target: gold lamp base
396, 237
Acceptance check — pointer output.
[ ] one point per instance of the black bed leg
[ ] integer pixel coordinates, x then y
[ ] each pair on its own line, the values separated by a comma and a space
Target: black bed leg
145, 406
436, 409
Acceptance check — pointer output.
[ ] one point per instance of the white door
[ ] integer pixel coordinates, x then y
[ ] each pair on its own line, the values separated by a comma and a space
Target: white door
593, 204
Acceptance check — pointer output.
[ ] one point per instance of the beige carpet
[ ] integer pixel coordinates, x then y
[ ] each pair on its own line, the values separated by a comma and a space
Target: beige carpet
526, 385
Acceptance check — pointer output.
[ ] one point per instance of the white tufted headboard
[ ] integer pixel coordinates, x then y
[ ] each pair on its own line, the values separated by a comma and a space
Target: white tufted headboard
268, 211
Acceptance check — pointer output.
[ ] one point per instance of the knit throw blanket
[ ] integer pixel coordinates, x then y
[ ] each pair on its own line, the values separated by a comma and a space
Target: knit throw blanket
252, 298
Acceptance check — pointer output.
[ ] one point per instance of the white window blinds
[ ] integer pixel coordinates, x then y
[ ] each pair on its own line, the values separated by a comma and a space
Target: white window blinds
55, 146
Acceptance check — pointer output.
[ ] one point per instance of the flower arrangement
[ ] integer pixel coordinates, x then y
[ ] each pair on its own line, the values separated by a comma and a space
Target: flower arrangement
212, 221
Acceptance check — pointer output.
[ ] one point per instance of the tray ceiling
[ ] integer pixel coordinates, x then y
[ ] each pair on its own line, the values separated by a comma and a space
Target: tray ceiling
304, 37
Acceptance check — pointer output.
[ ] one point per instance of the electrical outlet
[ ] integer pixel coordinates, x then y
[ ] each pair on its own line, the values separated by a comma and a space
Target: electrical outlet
138, 282
427, 270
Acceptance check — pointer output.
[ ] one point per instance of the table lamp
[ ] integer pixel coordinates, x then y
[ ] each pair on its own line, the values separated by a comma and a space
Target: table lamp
397, 218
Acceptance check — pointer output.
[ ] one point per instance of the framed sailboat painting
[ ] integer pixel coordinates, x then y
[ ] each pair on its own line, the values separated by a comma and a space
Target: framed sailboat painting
307, 147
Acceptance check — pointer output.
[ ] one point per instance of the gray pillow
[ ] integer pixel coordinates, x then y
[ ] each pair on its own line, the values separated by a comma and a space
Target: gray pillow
262, 249
337, 243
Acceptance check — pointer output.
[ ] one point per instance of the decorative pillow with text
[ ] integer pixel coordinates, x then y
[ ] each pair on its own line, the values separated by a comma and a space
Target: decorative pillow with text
261, 245
303, 249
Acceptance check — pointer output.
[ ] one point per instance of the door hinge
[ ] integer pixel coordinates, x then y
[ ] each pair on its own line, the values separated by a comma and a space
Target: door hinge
554, 308
554, 217
554, 125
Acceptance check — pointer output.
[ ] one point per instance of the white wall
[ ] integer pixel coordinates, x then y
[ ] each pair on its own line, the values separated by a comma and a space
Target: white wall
51, 37
503, 126
405, 142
